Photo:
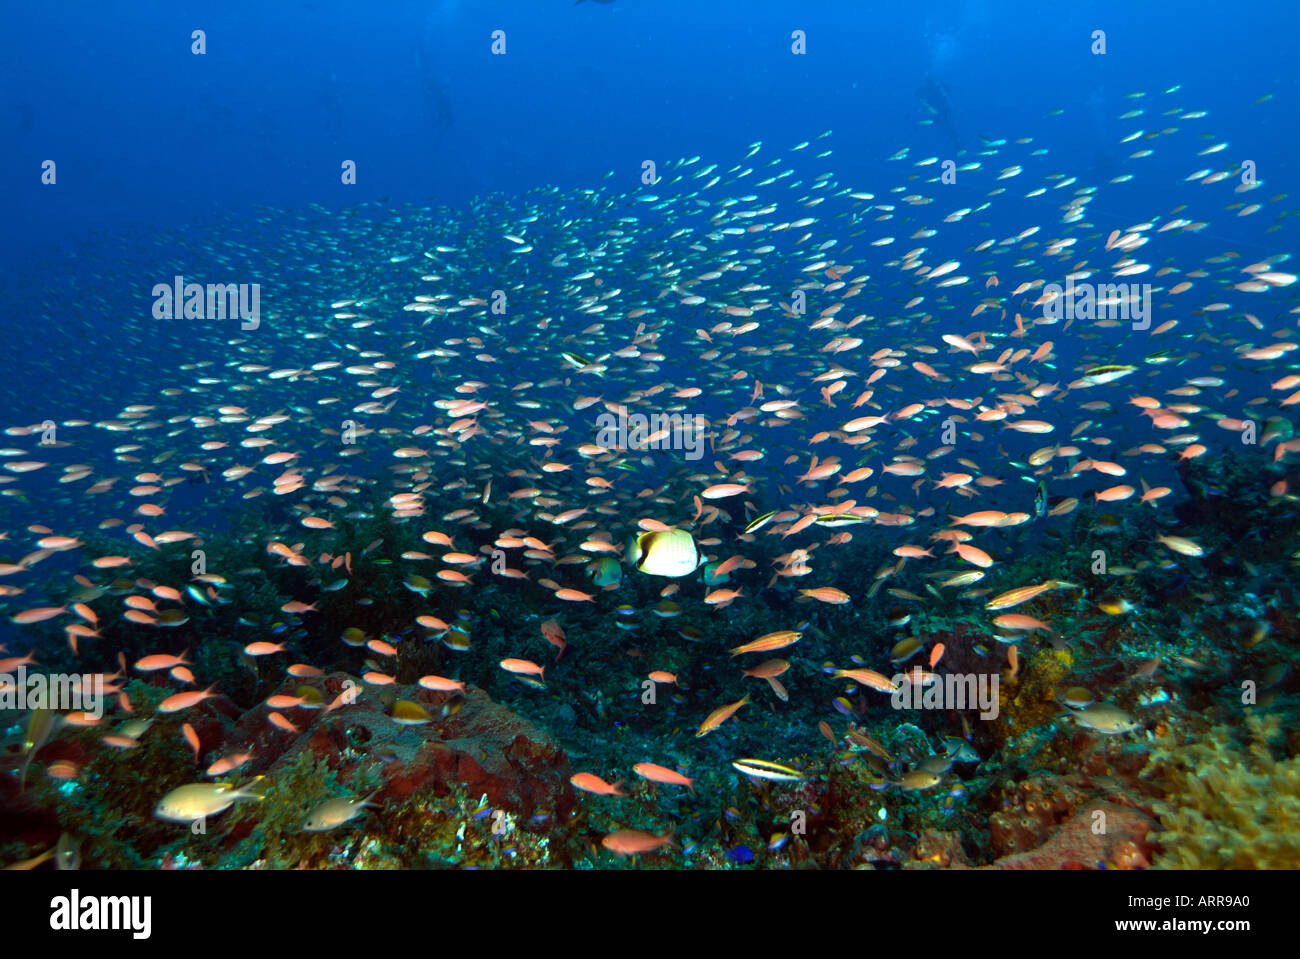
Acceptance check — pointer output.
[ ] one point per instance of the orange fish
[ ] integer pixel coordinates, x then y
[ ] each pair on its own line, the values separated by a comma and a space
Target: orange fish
984, 518
769, 642
1014, 597
723, 490
38, 615
381, 647
720, 716
972, 554
825, 729
524, 667
178, 701
227, 764
869, 678
588, 782
1114, 494
769, 669
722, 597
662, 774
11, 664
347, 697
264, 648
1019, 622
442, 684
555, 636
633, 842
826, 594
161, 661
279, 722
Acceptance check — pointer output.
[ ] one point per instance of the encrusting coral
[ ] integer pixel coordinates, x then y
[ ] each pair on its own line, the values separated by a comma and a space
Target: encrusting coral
1225, 806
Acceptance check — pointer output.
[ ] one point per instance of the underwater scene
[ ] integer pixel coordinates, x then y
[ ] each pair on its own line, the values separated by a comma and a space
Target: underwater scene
650, 435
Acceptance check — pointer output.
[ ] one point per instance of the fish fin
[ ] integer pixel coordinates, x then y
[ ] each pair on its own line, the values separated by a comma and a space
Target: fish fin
247, 792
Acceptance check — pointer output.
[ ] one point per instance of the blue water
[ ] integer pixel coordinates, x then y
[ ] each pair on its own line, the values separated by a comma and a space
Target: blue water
146, 134
149, 137
165, 159
226, 166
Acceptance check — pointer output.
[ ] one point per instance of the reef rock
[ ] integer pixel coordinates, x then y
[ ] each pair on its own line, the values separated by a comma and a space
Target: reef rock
471, 743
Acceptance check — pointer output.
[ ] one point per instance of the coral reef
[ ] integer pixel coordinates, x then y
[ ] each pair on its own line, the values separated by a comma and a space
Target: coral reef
484, 782
1227, 805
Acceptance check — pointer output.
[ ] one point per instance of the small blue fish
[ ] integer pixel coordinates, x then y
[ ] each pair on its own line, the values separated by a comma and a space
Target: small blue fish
741, 854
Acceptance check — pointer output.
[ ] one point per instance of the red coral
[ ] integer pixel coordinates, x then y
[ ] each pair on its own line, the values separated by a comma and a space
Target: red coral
1086, 840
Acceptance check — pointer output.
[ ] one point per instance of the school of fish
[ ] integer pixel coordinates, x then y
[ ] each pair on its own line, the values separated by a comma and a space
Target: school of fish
828, 371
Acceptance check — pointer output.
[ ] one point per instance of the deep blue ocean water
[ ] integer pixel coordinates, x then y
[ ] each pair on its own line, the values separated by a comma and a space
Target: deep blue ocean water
170, 159
148, 135
167, 159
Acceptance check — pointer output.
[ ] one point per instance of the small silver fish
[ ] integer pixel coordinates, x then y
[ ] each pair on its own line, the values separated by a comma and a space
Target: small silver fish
336, 812
1105, 718
919, 779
